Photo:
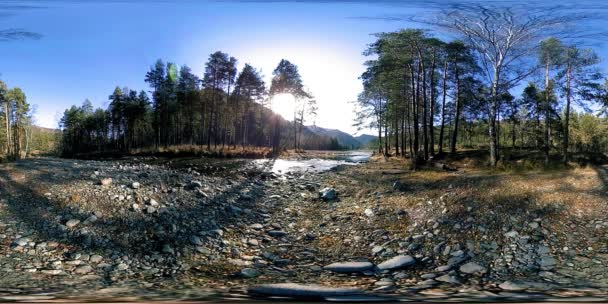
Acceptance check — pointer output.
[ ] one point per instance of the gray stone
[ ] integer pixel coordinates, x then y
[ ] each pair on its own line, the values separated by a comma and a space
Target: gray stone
472, 268
105, 181
328, 194
21, 241
91, 219
446, 278
547, 263
195, 240
135, 185
83, 269
277, 233
249, 273
195, 184
444, 268
513, 286
257, 226
377, 249
349, 267
72, 223
397, 262
302, 290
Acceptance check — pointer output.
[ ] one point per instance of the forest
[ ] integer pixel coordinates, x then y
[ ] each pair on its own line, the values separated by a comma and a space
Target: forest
506, 81
225, 108
20, 137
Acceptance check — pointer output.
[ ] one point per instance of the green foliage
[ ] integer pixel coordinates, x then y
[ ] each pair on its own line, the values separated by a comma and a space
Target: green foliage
224, 108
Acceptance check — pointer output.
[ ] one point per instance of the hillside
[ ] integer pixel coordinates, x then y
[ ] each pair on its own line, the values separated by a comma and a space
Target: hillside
365, 139
344, 139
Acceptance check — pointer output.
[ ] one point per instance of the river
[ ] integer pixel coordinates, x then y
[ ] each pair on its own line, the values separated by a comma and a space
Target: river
315, 165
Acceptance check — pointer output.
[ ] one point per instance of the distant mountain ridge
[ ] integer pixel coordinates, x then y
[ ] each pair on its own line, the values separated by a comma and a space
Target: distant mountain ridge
365, 139
344, 139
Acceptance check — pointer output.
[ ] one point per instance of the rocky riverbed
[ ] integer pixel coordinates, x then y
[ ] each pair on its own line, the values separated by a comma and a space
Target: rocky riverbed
203, 229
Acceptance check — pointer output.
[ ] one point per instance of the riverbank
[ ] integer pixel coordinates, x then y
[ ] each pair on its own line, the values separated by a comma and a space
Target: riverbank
211, 229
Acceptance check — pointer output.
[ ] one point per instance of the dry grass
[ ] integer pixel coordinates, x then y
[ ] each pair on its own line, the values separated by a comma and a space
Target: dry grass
474, 195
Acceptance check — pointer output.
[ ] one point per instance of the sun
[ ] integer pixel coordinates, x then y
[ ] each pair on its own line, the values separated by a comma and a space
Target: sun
284, 105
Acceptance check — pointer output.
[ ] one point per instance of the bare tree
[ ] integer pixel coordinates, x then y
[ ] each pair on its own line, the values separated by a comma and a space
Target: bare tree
504, 38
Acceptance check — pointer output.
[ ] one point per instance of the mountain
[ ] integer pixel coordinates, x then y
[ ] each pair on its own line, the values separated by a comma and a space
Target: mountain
365, 139
344, 139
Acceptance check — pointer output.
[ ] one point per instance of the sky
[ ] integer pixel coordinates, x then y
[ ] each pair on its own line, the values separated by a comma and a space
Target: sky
89, 47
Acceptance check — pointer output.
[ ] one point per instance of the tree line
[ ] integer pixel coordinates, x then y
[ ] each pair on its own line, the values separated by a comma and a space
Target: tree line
223, 108
16, 118
426, 96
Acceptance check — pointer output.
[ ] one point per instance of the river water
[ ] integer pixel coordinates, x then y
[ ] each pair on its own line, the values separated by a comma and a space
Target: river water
315, 165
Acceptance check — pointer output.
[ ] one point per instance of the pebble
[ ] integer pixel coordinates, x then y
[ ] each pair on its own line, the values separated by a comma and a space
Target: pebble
397, 262
72, 223
349, 267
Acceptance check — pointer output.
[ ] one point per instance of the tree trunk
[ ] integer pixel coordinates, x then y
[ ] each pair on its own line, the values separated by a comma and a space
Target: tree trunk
567, 114
444, 92
457, 115
492, 124
547, 114
432, 101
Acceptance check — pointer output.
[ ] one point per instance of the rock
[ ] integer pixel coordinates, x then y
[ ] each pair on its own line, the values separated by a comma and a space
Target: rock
511, 234
446, 278
105, 181
52, 271
472, 268
95, 258
377, 250
349, 267
249, 273
91, 219
368, 212
135, 185
547, 263
328, 194
83, 269
167, 249
277, 233
513, 286
453, 261
257, 226
72, 223
195, 184
21, 241
302, 290
443, 268
195, 240
152, 202
397, 262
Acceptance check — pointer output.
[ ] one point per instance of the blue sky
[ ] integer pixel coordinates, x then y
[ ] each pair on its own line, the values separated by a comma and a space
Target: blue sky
89, 47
